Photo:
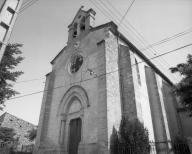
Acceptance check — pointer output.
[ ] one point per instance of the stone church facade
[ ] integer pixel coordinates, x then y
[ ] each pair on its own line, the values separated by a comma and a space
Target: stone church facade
98, 77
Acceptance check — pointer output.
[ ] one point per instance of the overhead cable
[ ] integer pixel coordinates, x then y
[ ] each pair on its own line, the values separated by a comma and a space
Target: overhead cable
97, 76
140, 38
128, 9
28, 5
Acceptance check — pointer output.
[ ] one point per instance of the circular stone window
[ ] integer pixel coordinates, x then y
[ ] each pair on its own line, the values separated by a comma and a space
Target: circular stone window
76, 62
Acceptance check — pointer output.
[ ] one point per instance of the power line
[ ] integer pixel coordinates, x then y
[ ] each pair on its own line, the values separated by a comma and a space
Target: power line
128, 9
136, 32
143, 41
36, 79
25, 6
96, 76
172, 51
43, 78
105, 14
26, 2
126, 27
189, 30
168, 39
28, 5
103, 74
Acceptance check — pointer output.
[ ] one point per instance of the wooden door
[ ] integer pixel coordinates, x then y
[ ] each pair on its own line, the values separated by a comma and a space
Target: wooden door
74, 135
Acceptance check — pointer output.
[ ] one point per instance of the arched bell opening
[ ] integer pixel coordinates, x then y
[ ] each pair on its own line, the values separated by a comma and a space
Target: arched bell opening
75, 30
82, 24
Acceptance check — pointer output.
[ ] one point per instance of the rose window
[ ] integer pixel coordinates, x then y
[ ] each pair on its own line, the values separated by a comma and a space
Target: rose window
76, 62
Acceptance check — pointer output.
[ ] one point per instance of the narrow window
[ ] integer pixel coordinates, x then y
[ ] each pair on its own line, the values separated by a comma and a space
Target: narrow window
3, 31
82, 25
8, 16
13, 4
75, 30
0, 48
138, 73
76, 63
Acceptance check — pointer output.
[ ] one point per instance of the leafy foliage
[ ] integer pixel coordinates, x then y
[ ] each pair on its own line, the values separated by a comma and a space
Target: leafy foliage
132, 136
184, 88
114, 142
32, 134
6, 134
10, 60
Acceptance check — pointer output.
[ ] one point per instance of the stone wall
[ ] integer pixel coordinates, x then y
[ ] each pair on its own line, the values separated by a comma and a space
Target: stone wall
171, 110
19, 126
126, 82
94, 129
156, 112
112, 84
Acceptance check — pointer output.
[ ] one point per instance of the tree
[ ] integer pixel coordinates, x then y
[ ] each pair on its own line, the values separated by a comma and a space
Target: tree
8, 74
114, 142
6, 134
184, 88
32, 134
132, 137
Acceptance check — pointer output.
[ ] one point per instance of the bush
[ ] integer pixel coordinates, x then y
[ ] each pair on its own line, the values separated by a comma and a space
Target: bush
7, 134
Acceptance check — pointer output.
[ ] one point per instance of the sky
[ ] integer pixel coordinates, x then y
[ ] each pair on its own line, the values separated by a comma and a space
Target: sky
42, 28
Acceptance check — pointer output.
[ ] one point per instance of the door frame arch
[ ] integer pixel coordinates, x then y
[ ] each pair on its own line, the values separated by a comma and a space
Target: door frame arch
75, 92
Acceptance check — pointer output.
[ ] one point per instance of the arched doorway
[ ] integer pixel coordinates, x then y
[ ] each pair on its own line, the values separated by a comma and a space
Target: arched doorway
71, 114
75, 125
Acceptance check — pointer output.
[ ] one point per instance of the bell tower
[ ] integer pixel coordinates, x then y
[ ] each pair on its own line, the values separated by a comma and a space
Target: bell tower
82, 23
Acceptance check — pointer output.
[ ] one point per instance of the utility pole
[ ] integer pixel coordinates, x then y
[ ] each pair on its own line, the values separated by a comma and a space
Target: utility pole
8, 13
